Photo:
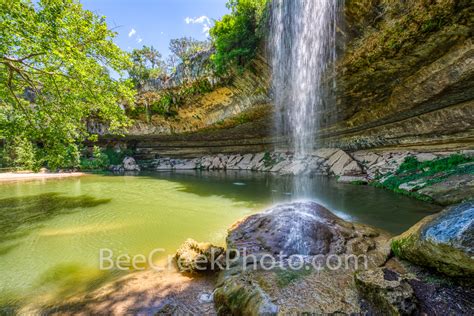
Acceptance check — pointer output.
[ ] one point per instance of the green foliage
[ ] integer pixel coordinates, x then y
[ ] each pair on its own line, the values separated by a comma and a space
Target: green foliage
147, 64
237, 35
403, 24
54, 77
116, 157
427, 172
98, 161
19, 153
412, 165
166, 102
185, 47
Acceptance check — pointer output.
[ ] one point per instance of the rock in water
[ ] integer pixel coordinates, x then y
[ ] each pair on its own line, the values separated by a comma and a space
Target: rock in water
303, 228
444, 241
195, 257
313, 233
129, 164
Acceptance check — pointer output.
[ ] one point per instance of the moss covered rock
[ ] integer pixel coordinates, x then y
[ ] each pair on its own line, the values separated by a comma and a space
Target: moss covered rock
443, 241
195, 257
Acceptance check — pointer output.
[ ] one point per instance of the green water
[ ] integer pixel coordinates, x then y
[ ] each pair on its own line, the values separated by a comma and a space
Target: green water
52, 230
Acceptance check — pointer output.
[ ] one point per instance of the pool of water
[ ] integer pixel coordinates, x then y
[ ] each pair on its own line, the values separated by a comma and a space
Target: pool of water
52, 231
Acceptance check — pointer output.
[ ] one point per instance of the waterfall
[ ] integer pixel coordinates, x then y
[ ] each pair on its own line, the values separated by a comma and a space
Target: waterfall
303, 48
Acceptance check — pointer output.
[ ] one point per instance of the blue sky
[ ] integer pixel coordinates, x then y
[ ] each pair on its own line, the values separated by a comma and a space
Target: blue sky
155, 22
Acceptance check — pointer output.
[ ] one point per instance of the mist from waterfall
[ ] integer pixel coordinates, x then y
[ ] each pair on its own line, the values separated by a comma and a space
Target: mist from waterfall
303, 48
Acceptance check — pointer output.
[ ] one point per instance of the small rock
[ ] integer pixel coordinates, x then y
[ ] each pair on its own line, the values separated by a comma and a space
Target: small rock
194, 257
412, 185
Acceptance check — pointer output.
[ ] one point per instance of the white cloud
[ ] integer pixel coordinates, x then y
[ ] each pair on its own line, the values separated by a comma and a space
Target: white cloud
200, 20
139, 40
204, 20
132, 32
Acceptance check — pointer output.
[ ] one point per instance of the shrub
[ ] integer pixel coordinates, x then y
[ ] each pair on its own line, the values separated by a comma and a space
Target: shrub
98, 161
19, 153
237, 35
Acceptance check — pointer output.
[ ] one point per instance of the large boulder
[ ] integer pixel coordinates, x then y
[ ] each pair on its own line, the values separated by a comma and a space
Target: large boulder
264, 280
444, 241
129, 164
303, 228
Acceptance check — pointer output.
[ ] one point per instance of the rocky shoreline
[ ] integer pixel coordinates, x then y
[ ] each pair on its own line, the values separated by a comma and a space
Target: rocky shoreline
398, 278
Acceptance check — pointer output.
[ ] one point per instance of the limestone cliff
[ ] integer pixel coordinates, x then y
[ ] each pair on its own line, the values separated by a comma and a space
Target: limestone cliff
405, 79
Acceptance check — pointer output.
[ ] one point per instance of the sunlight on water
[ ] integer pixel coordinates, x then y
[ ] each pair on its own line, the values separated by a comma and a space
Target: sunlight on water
52, 231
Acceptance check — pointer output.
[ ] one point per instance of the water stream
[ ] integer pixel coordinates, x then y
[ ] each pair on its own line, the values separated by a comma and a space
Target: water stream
303, 49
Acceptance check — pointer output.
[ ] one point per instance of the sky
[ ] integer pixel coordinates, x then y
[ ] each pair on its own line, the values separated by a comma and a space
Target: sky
155, 22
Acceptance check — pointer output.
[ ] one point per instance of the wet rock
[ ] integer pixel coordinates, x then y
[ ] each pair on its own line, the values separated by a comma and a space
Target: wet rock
296, 167
195, 257
386, 291
444, 241
304, 228
313, 234
239, 293
280, 165
129, 164
454, 189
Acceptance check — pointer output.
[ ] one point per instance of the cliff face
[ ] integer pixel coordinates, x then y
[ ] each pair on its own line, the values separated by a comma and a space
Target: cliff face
405, 79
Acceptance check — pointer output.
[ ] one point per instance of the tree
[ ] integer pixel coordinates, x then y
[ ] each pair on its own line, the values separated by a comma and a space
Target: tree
184, 48
147, 64
55, 59
237, 35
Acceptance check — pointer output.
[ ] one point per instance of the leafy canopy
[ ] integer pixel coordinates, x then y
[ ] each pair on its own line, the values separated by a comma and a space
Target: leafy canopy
55, 59
185, 47
147, 63
237, 35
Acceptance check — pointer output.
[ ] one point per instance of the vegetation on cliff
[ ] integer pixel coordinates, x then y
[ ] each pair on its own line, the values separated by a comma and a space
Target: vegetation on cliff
414, 175
237, 36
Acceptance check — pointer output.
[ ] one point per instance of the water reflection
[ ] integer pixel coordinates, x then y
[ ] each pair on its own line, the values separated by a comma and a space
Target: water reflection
384, 209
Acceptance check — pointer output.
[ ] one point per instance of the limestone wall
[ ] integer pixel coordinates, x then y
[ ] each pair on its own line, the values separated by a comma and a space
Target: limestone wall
405, 81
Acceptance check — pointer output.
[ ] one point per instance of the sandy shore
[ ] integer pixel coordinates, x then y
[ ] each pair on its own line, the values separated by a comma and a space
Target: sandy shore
13, 176
146, 292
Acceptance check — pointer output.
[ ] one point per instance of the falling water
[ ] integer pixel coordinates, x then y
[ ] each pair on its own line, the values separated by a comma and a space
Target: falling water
303, 50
